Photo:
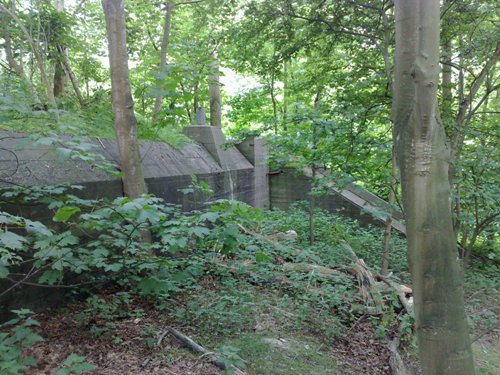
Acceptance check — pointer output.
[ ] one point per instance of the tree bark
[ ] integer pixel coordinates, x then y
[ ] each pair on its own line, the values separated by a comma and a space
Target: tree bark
38, 56
15, 66
74, 82
169, 8
423, 159
384, 269
285, 94
214, 92
59, 74
123, 104
446, 86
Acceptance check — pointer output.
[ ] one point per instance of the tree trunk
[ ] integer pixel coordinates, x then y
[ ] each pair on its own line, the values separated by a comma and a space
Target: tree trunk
123, 104
384, 49
384, 269
74, 82
59, 77
214, 92
285, 94
59, 74
16, 67
423, 159
38, 56
169, 8
446, 85
312, 202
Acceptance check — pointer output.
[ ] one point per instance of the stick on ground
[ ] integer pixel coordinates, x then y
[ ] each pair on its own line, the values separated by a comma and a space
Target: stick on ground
191, 344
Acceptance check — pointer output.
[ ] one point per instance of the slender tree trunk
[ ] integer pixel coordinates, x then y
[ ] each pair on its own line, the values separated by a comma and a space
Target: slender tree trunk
423, 159
446, 86
312, 202
59, 74
285, 93
214, 92
38, 56
465, 109
123, 104
15, 66
59, 77
384, 48
63, 67
384, 269
74, 82
169, 8
196, 96
273, 100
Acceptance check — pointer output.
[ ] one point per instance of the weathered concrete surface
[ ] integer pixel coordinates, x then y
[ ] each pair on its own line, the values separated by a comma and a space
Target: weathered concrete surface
166, 169
287, 187
256, 150
213, 140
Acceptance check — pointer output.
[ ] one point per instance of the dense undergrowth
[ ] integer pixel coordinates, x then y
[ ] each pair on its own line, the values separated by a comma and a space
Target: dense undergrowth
218, 274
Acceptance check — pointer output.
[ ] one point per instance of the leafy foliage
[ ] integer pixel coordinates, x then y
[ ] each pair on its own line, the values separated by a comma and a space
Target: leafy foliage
15, 336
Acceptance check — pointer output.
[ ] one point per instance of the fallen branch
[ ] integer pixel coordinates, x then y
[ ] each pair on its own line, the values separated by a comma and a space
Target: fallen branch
485, 332
282, 312
396, 361
366, 281
310, 268
401, 290
191, 344
272, 239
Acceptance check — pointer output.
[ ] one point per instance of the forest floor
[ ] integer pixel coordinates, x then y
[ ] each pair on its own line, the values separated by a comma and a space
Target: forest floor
258, 328
269, 346
268, 308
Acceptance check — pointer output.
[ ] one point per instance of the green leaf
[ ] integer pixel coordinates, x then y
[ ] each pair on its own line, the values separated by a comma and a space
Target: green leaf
114, 267
36, 227
11, 240
151, 285
4, 272
210, 216
200, 232
64, 213
261, 257
63, 154
50, 277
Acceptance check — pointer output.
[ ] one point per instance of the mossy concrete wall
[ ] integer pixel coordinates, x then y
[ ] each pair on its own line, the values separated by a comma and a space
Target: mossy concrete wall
287, 186
25, 161
232, 172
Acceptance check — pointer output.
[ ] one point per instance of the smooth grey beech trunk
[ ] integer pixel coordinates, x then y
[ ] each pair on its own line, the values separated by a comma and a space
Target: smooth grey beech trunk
423, 160
123, 104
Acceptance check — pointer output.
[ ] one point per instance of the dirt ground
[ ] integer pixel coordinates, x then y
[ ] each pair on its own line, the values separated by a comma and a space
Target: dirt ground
125, 350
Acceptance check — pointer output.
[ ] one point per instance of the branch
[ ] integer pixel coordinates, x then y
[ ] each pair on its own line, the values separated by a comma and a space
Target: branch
189, 2
78, 7
473, 111
485, 222
476, 85
330, 25
191, 344
460, 121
